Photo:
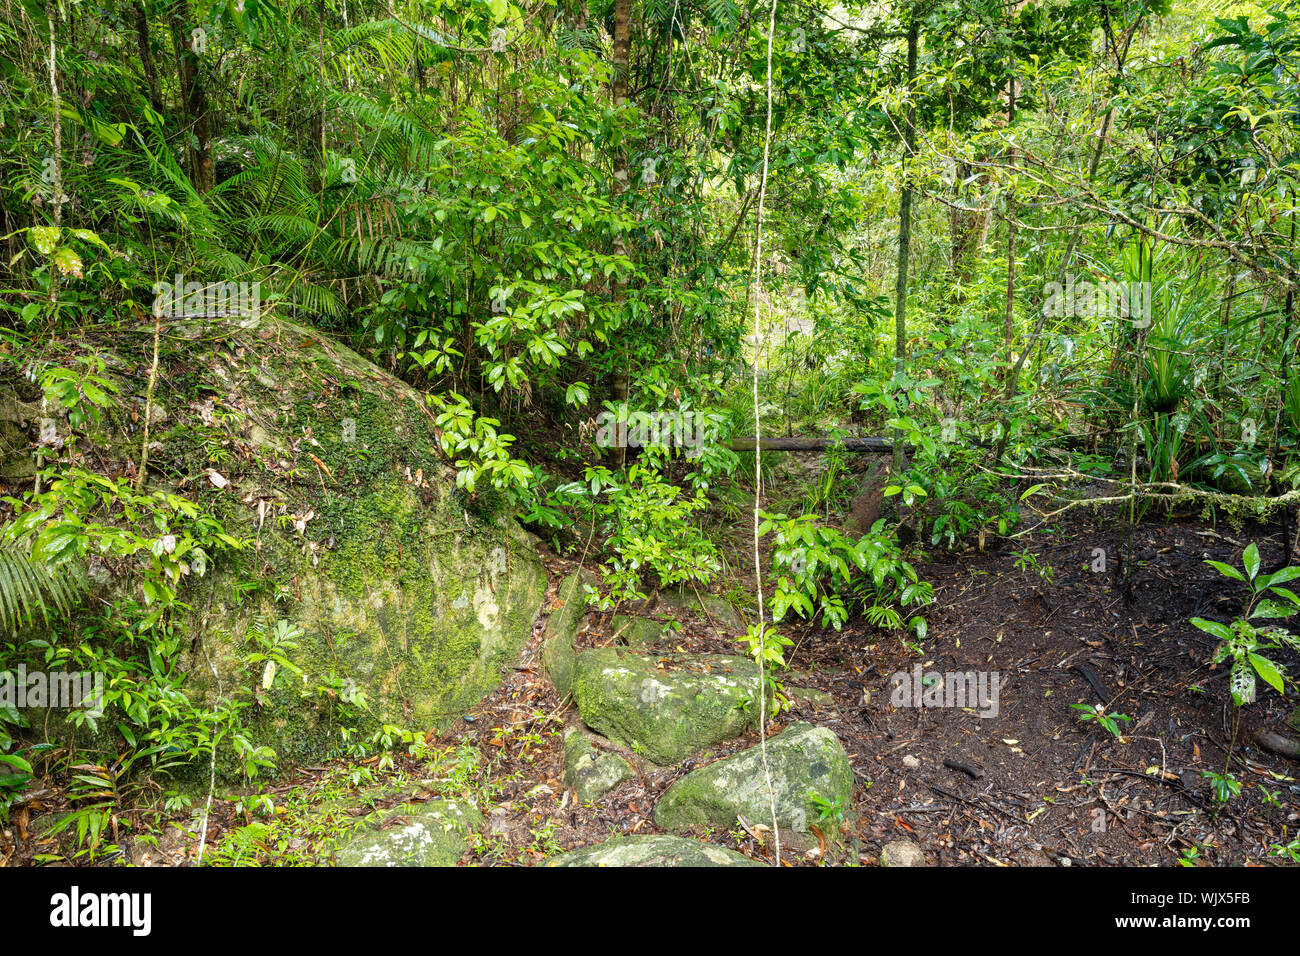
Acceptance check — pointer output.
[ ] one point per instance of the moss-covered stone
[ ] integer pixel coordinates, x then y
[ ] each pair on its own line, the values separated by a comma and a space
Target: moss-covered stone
424, 834
589, 772
652, 851
902, 853
810, 696
558, 655
558, 660
665, 707
572, 595
637, 631
708, 606
804, 760
405, 590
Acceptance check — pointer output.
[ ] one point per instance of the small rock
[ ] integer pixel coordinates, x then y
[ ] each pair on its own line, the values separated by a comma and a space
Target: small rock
708, 606
902, 853
911, 762
809, 695
497, 821
589, 772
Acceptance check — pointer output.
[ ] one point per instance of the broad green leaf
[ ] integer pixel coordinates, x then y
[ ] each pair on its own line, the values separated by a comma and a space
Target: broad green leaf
1227, 570
1220, 631
1251, 560
44, 238
1267, 670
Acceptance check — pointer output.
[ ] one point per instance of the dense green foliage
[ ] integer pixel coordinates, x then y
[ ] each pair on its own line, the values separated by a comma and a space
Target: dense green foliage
544, 216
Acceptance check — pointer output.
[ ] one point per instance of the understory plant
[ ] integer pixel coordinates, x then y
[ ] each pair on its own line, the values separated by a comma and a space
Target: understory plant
767, 646
820, 571
1245, 643
651, 531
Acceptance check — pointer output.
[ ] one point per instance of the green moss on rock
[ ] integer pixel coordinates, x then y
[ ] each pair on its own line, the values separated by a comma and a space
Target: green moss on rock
804, 760
558, 656
666, 712
652, 851
637, 631
424, 834
589, 772
405, 589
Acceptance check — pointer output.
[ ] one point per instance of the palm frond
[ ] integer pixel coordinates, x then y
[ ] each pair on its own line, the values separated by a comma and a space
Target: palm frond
31, 589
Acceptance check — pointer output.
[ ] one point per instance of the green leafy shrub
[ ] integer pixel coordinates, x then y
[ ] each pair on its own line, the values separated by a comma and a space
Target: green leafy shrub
1243, 641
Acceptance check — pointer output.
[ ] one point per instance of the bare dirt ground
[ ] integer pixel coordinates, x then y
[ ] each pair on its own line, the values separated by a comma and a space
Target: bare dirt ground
1032, 785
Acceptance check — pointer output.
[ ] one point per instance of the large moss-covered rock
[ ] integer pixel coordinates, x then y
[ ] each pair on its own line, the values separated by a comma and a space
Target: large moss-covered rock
804, 761
558, 655
652, 851
665, 707
405, 589
424, 834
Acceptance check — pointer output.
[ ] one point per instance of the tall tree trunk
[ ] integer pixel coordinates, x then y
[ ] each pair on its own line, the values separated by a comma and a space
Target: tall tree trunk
56, 167
620, 378
148, 66
1009, 327
199, 118
905, 229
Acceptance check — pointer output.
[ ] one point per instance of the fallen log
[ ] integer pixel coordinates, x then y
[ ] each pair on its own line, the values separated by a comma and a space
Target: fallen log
870, 445
1278, 744
877, 446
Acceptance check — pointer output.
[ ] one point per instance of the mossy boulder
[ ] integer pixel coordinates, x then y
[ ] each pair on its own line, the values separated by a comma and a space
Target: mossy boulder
804, 761
436, 833
637, 631
406, 591
589, 772
558, 655
710, 607
652, 851
666, 707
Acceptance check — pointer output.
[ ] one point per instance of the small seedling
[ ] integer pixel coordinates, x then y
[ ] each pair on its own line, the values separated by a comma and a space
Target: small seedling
1097, 712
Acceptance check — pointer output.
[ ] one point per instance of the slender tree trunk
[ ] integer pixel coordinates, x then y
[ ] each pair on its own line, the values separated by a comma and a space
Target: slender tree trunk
620, 379
1224, 325
904, 230
199, 119
148, 66
967, 227
1009, 325
56, 167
